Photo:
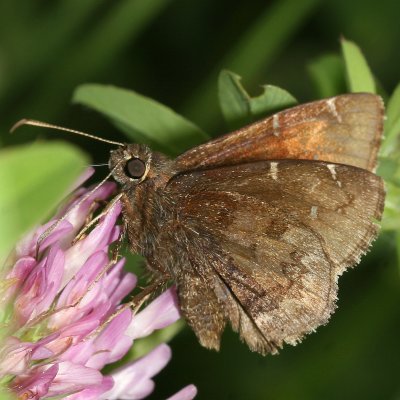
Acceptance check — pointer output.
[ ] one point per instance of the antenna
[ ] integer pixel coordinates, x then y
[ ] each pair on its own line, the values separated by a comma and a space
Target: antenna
33, 122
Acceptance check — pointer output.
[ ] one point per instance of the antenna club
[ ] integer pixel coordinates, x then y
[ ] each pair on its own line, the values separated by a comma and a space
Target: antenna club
18, 124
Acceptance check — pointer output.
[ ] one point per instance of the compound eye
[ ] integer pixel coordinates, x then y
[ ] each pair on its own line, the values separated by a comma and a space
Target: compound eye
135, 168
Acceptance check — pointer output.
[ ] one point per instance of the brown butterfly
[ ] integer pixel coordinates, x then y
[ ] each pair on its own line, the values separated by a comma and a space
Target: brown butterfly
255, 227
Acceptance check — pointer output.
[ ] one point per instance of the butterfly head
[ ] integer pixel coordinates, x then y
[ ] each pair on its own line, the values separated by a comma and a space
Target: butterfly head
130, 164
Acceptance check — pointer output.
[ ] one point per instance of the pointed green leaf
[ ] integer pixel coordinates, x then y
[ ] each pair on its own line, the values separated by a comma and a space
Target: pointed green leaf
233, 99
389, 163
391, 215
328, 75
240, 109
393, 109
34, 179
389, 169
272, 99
359, 76
391, 142
141, 118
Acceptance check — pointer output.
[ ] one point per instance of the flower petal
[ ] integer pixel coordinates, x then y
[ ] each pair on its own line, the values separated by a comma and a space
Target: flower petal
94, 392
112, 343
67, 292
98, 239
16, 277
41, 286
73, 377
118, 284
133, 381
163, 311
36, 385
189, 392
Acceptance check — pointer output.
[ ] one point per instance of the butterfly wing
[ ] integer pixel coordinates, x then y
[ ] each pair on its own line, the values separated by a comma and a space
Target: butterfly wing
266, 242
346, 129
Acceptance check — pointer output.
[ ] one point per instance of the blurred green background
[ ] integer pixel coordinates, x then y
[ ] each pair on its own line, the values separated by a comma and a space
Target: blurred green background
172, 51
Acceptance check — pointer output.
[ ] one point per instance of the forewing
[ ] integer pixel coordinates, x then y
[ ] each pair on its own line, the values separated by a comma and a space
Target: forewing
279, 234
346, 129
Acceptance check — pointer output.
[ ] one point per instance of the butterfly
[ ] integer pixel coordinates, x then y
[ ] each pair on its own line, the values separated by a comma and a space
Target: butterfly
255, 227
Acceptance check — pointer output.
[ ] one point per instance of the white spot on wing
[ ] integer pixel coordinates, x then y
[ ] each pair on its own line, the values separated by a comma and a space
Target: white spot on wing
274, 170
332, 169
332, 108
314, 212
275, 124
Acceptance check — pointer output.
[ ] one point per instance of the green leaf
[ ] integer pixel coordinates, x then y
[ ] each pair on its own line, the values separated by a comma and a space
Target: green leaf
389, 169
389, 163
328, 75
141, 118
239, 108
233, 99
391, 143
271, 100
391, 215
34, 179
359, 76
393, 109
